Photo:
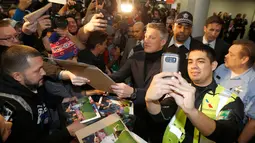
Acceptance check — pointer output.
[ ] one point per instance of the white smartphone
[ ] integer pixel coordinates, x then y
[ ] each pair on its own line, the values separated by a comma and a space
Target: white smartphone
170, 62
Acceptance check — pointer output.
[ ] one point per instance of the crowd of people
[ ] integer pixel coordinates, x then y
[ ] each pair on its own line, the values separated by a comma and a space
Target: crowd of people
209, 99
235, 27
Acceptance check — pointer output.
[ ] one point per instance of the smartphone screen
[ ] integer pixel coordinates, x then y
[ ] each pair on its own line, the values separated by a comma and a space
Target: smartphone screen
7, 110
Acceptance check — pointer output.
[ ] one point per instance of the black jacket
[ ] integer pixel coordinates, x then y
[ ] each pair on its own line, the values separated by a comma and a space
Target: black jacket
28, 129
221, 49
135, 67
142, 67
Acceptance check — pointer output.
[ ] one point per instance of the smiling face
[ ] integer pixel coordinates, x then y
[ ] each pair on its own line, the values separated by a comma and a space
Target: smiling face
72, 25
200, 68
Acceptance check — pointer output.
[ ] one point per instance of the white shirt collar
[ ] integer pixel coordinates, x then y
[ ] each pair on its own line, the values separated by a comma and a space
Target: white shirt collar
212, 44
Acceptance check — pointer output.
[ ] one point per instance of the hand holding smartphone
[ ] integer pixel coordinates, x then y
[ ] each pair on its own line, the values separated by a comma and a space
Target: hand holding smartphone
7, 110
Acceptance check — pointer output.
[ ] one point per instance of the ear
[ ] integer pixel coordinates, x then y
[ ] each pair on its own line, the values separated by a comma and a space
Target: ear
245, 59
214, 65
18, 76
163, 42
204, 29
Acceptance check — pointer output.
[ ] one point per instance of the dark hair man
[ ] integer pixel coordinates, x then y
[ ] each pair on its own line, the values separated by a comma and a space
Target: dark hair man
141, 67
22, 85
181, 41
212, 30
236, 75
96, 45
206, 112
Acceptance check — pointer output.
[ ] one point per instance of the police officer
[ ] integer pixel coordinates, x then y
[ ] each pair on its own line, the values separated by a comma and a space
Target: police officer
206, 112
181, 41
237, 72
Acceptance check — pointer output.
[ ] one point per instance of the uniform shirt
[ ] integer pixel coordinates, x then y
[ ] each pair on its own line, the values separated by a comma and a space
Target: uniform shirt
243, 85
249, 101
238, 84
186, 43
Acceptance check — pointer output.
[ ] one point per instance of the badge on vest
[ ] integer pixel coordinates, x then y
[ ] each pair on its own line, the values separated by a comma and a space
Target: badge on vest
223, 115
238, 89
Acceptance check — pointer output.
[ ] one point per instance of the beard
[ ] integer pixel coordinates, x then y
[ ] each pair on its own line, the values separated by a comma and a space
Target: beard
30, 85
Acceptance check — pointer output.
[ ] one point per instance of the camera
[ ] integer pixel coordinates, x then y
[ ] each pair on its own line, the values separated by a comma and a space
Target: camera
170, 59
58, 21
170, 62
107, 15
78, 6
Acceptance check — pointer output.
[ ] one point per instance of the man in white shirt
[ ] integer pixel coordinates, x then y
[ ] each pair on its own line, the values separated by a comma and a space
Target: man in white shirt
212, 30
237, 74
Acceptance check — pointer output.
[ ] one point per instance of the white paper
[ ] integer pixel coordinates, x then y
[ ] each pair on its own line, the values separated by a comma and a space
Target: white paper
58, 1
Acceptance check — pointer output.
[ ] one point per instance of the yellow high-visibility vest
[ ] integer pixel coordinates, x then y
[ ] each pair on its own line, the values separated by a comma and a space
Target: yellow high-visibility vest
211, 107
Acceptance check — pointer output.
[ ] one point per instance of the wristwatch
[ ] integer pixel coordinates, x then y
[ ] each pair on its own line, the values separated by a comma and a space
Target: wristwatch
133, 95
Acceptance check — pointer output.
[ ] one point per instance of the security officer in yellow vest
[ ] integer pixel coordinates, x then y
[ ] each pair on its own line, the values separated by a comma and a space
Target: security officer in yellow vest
200, 112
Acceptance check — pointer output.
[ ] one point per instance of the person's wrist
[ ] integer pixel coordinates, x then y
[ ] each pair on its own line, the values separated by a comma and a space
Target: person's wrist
86, 29
22, 7
147, 99
191, 112
133, 94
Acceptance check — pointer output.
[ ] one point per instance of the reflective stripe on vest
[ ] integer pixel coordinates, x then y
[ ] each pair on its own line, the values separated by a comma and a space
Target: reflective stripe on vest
211, 106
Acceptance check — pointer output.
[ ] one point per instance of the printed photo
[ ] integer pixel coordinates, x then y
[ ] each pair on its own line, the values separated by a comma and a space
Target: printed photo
84, 109
114, 133
111, 104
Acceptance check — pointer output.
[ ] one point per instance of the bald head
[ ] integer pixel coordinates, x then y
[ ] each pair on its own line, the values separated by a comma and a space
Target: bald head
138, 30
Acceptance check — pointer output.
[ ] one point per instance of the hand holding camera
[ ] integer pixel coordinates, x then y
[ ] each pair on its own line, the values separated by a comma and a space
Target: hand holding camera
97, 23
160, 86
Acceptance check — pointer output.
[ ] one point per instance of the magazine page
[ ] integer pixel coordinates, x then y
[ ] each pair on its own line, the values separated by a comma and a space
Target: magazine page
108, 130
83, 109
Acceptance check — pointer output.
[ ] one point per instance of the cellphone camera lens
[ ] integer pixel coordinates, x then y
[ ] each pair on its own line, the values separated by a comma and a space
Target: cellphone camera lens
173, 60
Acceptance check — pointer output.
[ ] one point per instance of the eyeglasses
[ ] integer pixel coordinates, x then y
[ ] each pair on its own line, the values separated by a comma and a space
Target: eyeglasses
11, 38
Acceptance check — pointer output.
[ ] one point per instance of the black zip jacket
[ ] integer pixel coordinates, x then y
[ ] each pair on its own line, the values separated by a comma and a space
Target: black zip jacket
36, 129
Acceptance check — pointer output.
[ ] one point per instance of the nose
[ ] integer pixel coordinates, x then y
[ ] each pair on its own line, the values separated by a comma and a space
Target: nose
214, 33
16, 40
226, 56
193, 65
182, 29
43, 73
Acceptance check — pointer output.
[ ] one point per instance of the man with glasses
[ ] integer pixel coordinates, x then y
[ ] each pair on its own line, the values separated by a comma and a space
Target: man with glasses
8, 35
